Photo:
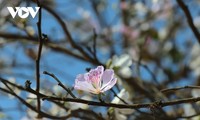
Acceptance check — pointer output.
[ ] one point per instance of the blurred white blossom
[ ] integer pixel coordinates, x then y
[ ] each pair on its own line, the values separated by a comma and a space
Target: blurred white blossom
56, 110
189, 110
196, 92
197, 22
141, 8
30, 30
32, 115
162, 33
16, 90
32, 98
121, 64
120, 114
195, 60
74, 106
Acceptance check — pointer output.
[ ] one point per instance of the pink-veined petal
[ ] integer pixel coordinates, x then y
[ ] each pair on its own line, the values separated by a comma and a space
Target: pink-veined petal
100, 71
109, 85
94, 76
82, 84
80, 77
107, 76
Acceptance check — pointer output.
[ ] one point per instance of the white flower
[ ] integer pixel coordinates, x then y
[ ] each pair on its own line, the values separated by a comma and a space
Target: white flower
196, 92
195, 60
121, 64
56, 110
32, 98
120, 114
74, 106
16, 90
189, 110
32, 115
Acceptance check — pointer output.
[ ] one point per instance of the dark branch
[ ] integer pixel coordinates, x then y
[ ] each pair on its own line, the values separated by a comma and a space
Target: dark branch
60, 83
41, 41
189, 19
103, 104
179, 88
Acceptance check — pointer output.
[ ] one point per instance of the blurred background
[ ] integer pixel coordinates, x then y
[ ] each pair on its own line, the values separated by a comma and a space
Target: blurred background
148, 43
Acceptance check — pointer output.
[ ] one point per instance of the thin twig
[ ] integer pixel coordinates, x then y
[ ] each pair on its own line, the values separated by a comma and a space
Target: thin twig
179, 88
39, 56
115, 94
60, 83
94, 45
189, 19
148, 70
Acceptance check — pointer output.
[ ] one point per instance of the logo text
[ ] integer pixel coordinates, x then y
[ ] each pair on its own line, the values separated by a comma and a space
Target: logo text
23, 12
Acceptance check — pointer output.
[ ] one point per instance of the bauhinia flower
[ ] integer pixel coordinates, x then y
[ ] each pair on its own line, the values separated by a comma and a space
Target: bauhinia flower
121, 64
96, 80
121, 114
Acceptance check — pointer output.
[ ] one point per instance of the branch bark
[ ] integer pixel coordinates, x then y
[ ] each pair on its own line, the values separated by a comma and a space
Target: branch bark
189, 19
41, 41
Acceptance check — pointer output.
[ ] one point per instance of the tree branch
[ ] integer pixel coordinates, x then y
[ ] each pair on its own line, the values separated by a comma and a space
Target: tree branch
189, 19
60, 83
41, 41
153, 105
51, 45
179, 88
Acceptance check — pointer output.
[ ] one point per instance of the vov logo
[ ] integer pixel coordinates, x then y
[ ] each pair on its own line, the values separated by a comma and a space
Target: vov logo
23, 12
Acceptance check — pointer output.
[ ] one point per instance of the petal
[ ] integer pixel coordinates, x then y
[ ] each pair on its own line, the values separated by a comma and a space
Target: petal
80, 77
126, 72
109, 85
86, 77
85, 86
126, 60
100, 69
123, 60
107, 76
94, 76
82, 84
